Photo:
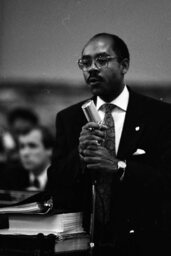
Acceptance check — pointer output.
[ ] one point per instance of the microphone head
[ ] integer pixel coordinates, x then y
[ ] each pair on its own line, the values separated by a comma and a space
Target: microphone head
91, 112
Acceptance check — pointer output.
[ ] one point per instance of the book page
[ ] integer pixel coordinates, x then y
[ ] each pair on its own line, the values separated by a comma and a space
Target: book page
57, 224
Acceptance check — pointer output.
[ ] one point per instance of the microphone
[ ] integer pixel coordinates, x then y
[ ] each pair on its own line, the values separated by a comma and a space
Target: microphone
91, 112
92, 115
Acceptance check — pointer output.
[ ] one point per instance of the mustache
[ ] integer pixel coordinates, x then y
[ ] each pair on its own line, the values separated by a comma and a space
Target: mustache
94, 77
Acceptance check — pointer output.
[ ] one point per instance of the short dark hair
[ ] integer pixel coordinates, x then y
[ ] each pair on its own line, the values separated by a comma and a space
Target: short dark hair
118, 45
47, 137
22, 113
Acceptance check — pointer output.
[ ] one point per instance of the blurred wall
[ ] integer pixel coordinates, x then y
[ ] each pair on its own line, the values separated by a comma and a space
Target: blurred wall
42, 39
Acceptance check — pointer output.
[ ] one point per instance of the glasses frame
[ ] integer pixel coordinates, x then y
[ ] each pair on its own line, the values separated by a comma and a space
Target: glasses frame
84, 68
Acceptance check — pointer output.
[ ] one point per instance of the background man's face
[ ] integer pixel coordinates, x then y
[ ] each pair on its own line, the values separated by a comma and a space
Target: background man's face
106, 82
34, 156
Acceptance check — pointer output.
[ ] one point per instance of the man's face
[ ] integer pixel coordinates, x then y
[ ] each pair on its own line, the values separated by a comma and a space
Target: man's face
34, 156
106, 82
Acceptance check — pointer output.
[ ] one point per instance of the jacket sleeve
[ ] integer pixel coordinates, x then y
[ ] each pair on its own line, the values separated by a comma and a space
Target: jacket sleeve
64, 174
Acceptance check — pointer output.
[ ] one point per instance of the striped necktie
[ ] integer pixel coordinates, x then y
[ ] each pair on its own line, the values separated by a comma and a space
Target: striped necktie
104, 182
110, 133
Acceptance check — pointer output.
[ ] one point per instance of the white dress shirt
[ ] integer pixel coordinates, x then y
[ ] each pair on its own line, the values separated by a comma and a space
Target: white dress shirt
42, 178
118, 113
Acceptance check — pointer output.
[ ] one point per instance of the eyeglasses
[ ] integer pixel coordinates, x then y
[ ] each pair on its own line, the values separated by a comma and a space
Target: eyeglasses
99, 61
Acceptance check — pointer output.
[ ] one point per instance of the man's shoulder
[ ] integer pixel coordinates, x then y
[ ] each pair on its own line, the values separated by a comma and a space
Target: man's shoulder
150, 102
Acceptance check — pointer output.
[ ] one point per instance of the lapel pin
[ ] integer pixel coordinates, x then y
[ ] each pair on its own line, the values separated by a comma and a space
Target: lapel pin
137, 128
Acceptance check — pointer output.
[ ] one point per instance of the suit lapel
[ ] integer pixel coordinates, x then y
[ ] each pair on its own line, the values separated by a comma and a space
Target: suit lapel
133, 126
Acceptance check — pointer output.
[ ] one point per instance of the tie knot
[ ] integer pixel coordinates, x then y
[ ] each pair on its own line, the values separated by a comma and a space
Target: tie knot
108, 107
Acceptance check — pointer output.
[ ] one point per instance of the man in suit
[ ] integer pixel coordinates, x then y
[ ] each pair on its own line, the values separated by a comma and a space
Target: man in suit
127, 157
35, 151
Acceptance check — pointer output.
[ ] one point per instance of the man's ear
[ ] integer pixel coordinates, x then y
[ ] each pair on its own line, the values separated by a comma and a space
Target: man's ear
125, 66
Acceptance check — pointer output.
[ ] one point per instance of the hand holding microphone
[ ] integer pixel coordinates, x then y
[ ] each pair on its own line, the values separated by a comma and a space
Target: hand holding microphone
91, 142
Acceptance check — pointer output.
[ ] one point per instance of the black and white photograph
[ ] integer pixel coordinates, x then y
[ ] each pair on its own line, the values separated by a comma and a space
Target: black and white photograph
85, 127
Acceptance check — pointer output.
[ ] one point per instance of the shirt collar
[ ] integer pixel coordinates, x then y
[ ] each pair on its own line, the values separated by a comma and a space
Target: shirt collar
42, 178
121, 101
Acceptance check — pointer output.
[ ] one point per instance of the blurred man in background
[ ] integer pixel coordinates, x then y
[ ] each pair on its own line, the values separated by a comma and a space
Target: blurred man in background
35, 150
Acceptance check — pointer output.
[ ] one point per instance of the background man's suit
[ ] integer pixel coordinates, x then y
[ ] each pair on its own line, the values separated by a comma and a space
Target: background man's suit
16, 177
145, 145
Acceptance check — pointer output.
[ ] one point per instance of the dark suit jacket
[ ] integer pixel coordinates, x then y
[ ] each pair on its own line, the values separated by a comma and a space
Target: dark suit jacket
136, 201
14, 176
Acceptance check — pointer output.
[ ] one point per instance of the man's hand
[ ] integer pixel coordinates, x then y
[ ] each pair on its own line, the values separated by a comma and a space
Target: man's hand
100, 160
92, 151
91, 136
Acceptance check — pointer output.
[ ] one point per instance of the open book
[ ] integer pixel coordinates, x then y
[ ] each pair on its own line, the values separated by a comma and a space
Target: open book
56, 224
29, 208
34, 218
9, 197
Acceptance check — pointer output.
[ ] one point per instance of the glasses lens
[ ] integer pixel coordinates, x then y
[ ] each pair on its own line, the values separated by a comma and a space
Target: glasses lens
101, 62
80, 64
84, 63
